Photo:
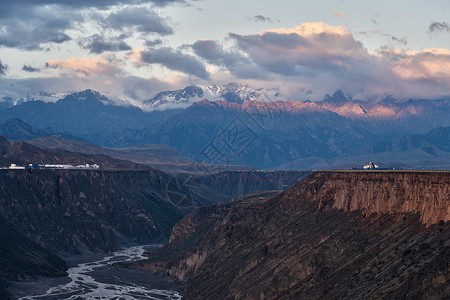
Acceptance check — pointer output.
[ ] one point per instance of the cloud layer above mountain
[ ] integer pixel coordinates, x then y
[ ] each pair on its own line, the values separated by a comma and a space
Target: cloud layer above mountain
316, 57
126, 44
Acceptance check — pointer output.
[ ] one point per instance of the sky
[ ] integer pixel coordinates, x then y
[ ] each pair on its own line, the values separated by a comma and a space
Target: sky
306, 49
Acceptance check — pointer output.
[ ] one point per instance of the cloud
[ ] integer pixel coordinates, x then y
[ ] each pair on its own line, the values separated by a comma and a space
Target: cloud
432, 65
173, 60
302, 50
402, 41
36, 25
32, 27
339, 14
315, 58
233, 61
152, 43
438, 27
98, 44
8, 6
86, 66
3, 69
140, 19
261, 18
30, 69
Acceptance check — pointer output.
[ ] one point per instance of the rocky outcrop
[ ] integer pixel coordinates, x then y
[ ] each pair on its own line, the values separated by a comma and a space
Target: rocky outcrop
424, 193
23, 259
343, 235
77, 211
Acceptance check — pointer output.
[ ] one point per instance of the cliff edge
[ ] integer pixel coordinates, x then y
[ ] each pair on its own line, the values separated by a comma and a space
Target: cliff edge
334, 235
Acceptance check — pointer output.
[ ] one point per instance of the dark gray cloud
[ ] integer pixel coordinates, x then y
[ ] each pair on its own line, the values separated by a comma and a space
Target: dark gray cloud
28, 68
152, 43
234, 61
438, 27
402, 41
30, 28
98, 44
8, 6
261, 18
139, 19
175, 60
35, 25
3, 68
212, 52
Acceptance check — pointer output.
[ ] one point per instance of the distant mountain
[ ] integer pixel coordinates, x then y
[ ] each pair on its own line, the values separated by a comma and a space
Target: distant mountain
232, 92
429, 150
239, 93
38, 96
17, 130
338, 99
160, 157
22, 153
6, 102
85, 114
286, 134
175, 99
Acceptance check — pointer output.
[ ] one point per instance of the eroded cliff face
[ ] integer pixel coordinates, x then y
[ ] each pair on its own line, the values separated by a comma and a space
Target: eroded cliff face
76, 211
22, 259
351, 235
425, 193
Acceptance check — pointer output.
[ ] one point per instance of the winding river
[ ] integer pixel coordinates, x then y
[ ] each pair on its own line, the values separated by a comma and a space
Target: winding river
94, 278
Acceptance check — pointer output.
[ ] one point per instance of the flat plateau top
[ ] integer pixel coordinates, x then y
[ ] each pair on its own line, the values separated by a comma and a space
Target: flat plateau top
388, 171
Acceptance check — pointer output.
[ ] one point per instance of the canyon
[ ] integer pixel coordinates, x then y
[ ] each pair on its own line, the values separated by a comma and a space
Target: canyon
45, 213
334, 235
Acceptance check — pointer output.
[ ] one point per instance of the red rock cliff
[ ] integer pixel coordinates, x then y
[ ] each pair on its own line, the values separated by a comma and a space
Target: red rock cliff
426, 193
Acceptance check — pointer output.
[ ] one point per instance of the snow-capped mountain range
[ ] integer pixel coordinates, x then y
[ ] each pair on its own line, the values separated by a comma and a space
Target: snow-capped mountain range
182, 98
43, 96
49, 97
237, 95
232, 92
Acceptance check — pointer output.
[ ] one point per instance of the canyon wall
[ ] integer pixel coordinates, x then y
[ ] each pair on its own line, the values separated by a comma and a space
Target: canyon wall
346, 235
77, 211
425, 193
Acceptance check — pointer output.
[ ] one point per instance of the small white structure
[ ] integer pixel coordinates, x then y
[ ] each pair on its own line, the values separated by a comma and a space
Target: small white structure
370, 166
53, 166
16, 167
88, 166
49, 166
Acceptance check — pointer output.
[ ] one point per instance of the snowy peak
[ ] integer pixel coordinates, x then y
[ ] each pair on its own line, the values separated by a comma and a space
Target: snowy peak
88, 96
48, 97
338, 99
232, 93
175, 99
239, 93
38, 96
